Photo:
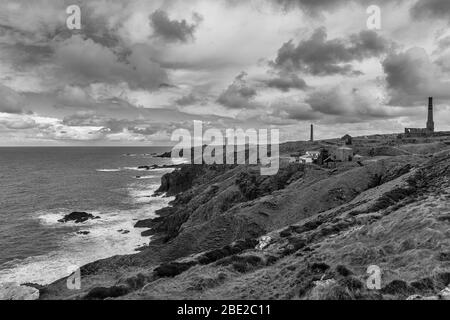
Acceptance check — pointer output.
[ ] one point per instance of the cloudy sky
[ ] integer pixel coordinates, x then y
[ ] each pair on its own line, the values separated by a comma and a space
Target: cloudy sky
139, 69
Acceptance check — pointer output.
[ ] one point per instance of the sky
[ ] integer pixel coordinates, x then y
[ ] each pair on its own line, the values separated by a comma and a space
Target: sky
138, 70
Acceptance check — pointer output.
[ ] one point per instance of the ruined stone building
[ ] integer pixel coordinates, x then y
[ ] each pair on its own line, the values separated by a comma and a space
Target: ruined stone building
429, 130
347, 139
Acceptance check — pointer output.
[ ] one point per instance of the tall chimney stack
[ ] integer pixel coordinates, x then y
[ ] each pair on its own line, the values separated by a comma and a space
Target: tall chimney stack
312, 133
430, 122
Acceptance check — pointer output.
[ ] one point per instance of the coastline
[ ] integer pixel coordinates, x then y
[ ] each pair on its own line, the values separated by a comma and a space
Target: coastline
112, 233
227, 222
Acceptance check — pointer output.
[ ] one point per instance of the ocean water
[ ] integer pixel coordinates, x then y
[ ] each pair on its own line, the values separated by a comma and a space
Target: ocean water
40, 185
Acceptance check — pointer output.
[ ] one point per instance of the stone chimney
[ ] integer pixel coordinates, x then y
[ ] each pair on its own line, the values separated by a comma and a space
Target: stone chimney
312, 133
430, 122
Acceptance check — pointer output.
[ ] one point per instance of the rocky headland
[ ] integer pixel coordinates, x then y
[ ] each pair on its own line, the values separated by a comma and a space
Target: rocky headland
308, 232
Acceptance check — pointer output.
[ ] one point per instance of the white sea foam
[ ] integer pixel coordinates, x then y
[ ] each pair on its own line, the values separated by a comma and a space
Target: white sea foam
106, 238
109, 170
103, 240
163, 170
135, 169
177, 161
143, 195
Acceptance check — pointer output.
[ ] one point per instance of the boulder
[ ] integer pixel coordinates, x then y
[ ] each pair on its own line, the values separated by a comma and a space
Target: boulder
14, 291
168, 154
77, 217
264, 241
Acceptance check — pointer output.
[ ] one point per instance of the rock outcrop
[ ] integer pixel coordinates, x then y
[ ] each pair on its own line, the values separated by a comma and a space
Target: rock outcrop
78, 217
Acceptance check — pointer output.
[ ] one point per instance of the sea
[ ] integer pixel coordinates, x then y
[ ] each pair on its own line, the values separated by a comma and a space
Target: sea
39, 185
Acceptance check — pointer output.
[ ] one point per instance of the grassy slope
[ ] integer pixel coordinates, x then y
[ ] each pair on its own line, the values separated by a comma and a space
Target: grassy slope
408, 238
337, 217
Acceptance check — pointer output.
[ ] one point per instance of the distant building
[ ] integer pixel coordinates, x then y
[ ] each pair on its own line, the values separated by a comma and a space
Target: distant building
343, 154
329, 162
305, 159
313, 154
347, 139
309, 157
429, 130
323, 155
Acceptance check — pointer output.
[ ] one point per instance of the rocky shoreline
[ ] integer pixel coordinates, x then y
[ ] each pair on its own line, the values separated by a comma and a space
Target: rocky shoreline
312, 230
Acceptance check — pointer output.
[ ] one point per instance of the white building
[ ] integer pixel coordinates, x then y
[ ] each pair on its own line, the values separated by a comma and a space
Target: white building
313, 154
306, 159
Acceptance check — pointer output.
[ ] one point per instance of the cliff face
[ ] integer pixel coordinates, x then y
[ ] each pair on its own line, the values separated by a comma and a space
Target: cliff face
232, 233
179, 180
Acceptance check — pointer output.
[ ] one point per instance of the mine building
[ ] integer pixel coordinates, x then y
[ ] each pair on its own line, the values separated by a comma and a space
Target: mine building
343, 154
429, 130
305, 159
347, 139
313, 154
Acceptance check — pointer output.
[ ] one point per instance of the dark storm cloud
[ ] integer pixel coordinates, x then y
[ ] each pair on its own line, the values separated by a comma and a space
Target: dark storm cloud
188, 100
347, 104
411, 76
23, 56
431, 8
294, 111
84, 61
173, 30
319, 56
444, 62
95, 53
113, 125
11, 101
239, 95
285, 82
444, 43
32, 44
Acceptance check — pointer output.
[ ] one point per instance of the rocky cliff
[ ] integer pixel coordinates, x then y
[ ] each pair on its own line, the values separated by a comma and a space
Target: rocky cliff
307, 232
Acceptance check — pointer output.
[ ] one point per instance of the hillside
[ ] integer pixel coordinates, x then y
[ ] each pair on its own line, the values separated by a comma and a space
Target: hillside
307, 232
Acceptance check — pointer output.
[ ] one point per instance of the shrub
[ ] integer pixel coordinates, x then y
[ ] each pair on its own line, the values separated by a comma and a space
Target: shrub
241, 263
343, 271
172, 269
103, 292
397, 287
